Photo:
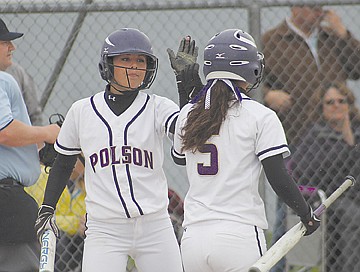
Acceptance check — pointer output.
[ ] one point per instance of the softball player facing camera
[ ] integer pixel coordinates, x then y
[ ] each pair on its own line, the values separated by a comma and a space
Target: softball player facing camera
226, 140
120, 132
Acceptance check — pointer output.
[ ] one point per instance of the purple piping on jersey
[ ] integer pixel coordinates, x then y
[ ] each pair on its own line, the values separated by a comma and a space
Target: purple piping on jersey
271, 149
167, 127
178, 158
258, 240
127, 167
67, 148
113, 167
177, 153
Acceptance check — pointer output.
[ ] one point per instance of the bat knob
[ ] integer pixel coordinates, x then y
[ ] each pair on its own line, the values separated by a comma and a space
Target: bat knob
353, 180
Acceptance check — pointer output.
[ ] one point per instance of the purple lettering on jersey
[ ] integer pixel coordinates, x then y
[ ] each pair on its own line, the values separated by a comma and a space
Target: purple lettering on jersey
213, 168
137, 156
108, 156
148, 159
126, 154
104, 157
113, 155
93, 161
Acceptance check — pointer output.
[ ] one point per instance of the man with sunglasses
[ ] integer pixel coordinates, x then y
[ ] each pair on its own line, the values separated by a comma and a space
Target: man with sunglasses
307, 48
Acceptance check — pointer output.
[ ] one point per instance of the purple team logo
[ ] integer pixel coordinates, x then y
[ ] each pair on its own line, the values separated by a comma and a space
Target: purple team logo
123, 155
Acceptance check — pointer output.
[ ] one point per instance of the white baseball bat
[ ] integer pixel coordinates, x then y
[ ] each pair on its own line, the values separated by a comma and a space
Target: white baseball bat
48, 249
293, 236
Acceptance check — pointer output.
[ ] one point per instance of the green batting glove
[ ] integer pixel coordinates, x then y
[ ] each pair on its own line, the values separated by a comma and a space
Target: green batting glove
186, 55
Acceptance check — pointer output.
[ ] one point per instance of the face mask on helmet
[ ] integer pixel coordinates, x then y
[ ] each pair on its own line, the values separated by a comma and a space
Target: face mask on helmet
232, 54
127, 41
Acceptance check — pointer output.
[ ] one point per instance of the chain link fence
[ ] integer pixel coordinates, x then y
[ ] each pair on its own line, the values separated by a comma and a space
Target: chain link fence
61, 51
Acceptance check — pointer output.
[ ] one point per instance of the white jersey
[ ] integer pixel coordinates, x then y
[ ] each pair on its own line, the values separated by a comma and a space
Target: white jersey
224, 177
123, 154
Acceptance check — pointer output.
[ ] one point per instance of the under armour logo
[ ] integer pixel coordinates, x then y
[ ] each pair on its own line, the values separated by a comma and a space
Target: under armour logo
110, 97
220, 56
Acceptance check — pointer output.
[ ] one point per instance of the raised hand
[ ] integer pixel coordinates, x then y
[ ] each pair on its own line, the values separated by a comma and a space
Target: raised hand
186, 55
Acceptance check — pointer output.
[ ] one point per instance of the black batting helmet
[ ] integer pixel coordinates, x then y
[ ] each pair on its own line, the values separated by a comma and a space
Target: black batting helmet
127, 41
232, 54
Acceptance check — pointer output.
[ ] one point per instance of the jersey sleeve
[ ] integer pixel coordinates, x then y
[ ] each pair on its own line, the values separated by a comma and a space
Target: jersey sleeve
10, 101
166, 113
271, 139
5, 109
177, 155
68, 142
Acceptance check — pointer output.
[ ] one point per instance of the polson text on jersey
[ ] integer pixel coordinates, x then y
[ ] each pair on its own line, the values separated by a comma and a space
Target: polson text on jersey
110, 156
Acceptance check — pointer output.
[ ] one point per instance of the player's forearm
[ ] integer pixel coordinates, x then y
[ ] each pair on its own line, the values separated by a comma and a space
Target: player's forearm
283, 185
19, 134
58, 178
183, 97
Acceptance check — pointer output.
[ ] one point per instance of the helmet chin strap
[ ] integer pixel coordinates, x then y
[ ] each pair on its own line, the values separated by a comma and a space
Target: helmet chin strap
115, 85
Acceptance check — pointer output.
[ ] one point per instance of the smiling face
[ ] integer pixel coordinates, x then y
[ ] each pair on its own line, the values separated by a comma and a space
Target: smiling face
335, 106
129, 71
6, 49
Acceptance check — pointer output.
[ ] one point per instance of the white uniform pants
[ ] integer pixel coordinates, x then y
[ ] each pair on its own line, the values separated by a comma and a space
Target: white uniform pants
148, 239
221, 246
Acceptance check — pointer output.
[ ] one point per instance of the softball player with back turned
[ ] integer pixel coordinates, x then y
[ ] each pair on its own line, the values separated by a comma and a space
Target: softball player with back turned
226, 140
120, 133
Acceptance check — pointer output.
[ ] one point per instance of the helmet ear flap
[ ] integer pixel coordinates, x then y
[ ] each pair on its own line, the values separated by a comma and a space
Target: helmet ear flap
261, 60
106, 68
102, 71
259, 72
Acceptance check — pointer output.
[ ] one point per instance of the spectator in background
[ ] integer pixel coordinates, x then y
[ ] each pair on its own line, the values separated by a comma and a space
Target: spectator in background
331, 151
29, 92
70, 217
19, 167
309, 47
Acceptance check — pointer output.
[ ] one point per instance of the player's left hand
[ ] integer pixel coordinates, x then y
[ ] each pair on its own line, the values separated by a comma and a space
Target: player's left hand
311, 222
46, 221
186, 55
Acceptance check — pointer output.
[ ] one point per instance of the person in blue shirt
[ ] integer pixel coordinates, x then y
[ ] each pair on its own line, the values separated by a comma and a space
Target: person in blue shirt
19, 167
